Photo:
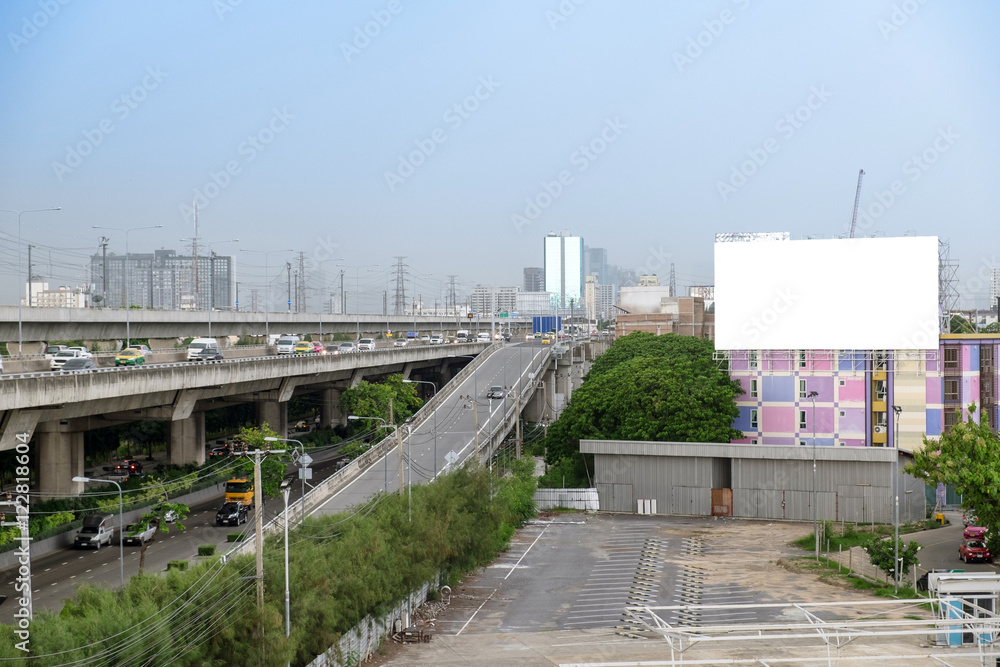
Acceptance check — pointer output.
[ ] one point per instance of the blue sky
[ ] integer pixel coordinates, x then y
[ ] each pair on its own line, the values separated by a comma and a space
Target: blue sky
291, 128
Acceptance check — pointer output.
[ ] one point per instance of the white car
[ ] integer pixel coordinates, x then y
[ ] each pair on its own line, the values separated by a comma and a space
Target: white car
425, 338
366, 345
345, 348
84, 352
399, 342
483, 337
286, 344
62, 356
436, 339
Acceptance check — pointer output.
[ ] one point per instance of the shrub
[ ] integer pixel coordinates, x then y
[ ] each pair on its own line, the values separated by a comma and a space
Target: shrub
206, 550
177, 565
234, 537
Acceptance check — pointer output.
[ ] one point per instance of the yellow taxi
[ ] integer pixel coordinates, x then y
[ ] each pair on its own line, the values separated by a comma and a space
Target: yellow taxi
303, 347
130, 357
546, 340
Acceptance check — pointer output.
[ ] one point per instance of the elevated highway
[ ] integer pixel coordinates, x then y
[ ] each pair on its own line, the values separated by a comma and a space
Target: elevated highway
56, 408
100, 324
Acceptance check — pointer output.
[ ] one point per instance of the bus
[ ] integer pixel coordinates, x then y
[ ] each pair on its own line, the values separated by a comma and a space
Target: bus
239, 490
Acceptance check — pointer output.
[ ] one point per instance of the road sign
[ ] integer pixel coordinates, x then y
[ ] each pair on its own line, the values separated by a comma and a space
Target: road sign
305, 460
305, 473
451, 457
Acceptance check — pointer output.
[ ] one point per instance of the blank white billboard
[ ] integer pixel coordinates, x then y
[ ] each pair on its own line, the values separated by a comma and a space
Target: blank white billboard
853, 294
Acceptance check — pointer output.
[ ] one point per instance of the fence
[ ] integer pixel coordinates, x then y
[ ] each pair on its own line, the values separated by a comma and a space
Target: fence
578, 499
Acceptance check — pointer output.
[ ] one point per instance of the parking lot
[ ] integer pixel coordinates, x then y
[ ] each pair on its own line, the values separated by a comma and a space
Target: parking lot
559, 594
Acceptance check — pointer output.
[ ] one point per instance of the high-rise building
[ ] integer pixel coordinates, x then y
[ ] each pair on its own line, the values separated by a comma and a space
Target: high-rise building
994, 285
163, 280
597, 265
564, 270
534, 279
534, 303
487, 299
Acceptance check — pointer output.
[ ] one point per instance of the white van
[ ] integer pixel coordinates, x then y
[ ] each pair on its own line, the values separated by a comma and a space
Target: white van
199, 344
286, 344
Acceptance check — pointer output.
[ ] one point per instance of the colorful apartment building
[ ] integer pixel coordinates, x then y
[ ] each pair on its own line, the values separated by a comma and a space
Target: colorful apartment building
846, 397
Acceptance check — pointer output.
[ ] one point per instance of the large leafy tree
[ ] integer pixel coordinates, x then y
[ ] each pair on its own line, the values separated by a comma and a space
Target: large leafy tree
273, 467
968, 458
656, 388
371, 399
157, 517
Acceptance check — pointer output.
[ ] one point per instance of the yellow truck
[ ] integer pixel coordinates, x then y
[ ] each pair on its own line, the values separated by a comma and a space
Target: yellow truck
239, 490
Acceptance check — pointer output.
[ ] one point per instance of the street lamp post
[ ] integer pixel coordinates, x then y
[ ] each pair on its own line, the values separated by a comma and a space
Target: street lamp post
121, 525
385, 424
812, 396
302, 449
435, 422
285, 488
897, 410
128, 275
20, 338
267, 327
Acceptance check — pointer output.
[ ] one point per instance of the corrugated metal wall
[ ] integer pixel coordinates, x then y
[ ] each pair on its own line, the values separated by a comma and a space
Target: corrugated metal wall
858, 491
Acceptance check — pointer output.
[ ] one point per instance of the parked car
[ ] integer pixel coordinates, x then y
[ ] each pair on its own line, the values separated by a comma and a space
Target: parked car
973, 550
346, 348
366, 345
97, 529
208, 354
139, 537
302, 347
130, 356
231, 514
974, 533
79, 364
495, 391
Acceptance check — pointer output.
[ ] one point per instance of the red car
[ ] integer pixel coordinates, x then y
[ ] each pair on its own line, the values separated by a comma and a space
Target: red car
318, 347
972, 550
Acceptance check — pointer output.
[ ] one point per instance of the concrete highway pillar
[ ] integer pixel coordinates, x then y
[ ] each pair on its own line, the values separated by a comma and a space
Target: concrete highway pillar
535, 409
186, 443
275, 414
329, 409
550, 395
60, 459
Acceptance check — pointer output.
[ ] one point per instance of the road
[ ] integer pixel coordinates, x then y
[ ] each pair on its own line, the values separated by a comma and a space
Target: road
455, 418
939, 547
55, 576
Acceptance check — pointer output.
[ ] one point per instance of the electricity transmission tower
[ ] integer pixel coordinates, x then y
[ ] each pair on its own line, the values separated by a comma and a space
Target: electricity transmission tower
399, 301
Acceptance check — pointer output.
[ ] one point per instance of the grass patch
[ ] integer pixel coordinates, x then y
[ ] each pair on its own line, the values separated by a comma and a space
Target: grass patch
830, 570
847, 535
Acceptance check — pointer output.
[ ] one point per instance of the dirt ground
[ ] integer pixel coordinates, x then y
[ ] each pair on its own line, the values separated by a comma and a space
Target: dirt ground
756, 555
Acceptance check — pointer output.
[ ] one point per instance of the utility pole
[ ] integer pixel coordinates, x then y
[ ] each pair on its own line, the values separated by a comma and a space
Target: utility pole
300, 286
288, 268
29, 274
194, 255
343, 297
475, 423
258, 511
104, 271
399, 449
517, 431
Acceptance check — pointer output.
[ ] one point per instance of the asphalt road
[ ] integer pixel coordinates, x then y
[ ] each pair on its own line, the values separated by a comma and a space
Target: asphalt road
455, 424
939, 547
56, 576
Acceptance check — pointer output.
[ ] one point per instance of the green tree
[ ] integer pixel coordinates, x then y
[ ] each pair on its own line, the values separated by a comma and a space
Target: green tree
371, 399
157, 517
649, 389
272, 468
882, 554
967, 457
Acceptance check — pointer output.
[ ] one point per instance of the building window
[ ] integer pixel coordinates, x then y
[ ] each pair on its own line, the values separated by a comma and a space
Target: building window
951, 358
802, 358
802, 442
950, 419
753, 389
754, 441
880, 360
753, 360
951, 390
802, 389
842, 383
753, 418
986, 354
880, 390
802, 418
843, 414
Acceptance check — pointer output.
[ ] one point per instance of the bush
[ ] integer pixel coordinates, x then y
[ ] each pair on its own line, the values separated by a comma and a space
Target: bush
177, 565
206, 550
235, 537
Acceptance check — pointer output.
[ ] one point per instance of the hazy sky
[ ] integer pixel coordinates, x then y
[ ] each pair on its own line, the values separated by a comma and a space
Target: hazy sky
457, 134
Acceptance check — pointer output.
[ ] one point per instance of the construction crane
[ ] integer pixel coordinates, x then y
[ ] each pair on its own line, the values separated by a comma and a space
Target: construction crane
857, 200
